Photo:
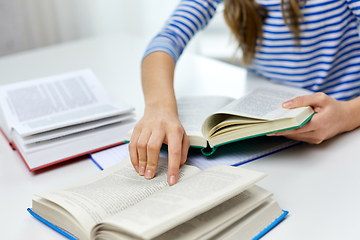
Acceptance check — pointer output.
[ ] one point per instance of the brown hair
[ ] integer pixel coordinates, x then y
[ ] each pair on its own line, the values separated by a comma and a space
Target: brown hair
245, 19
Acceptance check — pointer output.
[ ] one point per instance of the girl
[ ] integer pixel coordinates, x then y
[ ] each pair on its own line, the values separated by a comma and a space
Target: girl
312, 44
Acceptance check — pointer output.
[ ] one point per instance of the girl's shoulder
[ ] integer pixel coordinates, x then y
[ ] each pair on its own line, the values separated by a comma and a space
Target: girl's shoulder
309, 3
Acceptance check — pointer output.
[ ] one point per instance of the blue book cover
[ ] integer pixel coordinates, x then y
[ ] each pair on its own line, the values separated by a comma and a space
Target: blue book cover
49, 224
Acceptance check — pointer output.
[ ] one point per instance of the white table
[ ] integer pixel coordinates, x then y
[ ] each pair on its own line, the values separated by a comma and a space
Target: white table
318, 184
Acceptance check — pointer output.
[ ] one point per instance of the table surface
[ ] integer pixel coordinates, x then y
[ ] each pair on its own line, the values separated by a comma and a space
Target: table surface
316, 183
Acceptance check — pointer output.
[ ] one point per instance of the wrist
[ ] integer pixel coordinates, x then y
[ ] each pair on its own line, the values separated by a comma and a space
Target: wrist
352, 115
161, 104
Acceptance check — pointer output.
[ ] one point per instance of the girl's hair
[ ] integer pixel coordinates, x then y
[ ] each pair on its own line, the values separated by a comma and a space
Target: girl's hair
245, 19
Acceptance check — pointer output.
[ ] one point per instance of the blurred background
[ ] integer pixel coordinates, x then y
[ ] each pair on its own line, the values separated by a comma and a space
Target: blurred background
30, 24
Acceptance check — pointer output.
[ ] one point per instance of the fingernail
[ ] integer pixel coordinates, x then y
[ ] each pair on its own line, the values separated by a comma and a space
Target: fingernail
271, 134
136, 168
287, 104
142, 170
148, 174
172, 180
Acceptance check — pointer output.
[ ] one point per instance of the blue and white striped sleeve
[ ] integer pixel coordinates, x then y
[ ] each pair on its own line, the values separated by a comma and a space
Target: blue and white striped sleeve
189, 17
354, 6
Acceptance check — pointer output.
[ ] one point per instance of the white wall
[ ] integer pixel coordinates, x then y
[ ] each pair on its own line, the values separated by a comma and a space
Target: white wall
27, 24
22, 25
140, 17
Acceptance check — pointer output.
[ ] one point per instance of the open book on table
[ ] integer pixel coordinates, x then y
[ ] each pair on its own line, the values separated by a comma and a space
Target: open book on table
212, 121
56, 118
220, 203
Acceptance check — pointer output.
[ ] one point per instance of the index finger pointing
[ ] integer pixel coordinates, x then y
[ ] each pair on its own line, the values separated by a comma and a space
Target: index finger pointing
174, 148
133, 149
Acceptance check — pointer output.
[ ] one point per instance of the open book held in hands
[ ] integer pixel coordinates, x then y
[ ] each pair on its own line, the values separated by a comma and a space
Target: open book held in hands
221, 202
211, 121
56, 118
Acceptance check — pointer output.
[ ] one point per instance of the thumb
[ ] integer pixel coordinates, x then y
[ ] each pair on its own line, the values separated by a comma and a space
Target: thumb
312, 100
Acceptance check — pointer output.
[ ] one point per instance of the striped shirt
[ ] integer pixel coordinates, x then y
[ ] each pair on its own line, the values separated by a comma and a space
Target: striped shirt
328, 59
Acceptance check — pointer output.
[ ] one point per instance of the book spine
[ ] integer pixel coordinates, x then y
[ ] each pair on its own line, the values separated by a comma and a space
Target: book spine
272, 225
56, 228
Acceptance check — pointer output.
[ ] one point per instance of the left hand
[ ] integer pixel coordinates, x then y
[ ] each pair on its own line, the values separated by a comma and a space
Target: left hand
332, 117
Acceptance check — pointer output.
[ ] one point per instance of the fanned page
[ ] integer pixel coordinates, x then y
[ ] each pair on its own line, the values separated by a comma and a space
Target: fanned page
261, 104
218, 218
40, 105
65, 131
254, 225
110, 191
194, 110
181, 202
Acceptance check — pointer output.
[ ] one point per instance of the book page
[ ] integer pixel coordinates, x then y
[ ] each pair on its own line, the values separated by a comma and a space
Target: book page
194, 110
261, 219
218, 218
262, 103
42, 104
65, 131
111, 156
183, 201
111, 191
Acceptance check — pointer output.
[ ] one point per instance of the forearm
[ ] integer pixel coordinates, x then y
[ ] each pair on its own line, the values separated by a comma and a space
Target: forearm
157, 74
160, 123
353, 108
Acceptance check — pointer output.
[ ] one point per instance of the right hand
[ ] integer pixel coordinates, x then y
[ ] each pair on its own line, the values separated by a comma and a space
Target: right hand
158, 125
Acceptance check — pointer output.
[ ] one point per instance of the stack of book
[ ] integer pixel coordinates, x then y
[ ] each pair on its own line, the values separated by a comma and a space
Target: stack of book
53, 119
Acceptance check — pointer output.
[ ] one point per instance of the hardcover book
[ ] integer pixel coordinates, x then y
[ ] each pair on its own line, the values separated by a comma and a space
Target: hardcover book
221, 202
213, 121
52, 119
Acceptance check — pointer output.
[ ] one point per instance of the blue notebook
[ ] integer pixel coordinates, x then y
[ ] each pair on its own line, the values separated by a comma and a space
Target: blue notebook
233, 154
